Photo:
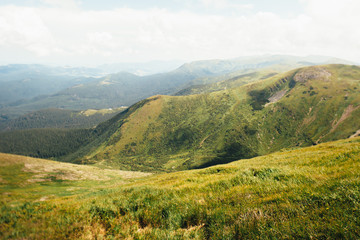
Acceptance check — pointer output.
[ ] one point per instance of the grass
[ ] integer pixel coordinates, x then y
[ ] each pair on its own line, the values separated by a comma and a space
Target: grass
25, 178
304, 193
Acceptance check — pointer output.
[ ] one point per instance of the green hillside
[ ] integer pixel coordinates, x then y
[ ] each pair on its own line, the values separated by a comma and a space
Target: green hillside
302, 107
307, 193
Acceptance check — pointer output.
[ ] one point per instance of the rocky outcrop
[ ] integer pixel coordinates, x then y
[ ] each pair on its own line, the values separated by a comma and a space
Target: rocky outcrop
311, 73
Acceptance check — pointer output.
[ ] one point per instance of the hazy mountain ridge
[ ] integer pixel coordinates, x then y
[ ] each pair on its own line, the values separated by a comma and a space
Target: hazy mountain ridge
124, 89
21, 81
249, 69
142, 68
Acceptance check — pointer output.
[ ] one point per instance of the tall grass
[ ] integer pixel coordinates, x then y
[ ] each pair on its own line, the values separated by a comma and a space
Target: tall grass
309, 193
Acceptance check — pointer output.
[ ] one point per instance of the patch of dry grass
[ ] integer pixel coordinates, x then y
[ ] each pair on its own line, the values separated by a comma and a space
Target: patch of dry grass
42, 169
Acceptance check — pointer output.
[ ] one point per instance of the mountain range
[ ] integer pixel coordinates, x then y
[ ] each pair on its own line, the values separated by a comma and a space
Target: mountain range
258, 147
301, 107
27, 88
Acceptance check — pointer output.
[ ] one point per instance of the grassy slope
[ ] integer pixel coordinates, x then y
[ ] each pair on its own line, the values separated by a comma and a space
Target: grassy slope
32, 179
172, 133
294, 194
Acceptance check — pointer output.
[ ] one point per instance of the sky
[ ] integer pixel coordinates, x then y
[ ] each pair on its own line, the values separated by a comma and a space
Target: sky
92, 32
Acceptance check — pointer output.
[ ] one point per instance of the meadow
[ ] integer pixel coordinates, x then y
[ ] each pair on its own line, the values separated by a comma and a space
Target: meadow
303, 193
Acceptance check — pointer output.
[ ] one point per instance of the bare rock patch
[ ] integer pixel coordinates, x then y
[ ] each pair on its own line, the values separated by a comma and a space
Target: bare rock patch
312, 73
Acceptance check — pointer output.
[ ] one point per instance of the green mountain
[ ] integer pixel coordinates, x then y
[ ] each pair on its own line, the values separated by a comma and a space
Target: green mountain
302, 107
299, 108
307, 193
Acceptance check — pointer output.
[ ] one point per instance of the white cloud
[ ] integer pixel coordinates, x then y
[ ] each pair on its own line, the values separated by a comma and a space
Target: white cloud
68, 4
223, 4
22, 27
334, 27
80, 36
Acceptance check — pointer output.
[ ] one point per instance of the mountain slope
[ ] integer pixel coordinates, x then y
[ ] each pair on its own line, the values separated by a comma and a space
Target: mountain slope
305, 193
300, 108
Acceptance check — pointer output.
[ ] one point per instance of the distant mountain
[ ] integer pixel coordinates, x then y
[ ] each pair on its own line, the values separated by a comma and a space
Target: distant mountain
112, 91
14, 72
277, 62
18, 82
142, 68
226, 81
240, 71
124, 89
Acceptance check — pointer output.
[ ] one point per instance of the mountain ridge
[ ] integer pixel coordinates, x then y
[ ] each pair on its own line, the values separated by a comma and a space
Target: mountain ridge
125, 89
286, 110
302, 107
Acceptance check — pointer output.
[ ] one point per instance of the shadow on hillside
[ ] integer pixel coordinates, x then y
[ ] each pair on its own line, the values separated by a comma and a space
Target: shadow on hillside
232, 152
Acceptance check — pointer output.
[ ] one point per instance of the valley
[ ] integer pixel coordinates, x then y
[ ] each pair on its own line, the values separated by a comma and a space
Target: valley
60, 118
228, 150
302, 107
179, 120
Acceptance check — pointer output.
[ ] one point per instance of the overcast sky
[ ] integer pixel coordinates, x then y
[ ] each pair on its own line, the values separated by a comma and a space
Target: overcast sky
93, 32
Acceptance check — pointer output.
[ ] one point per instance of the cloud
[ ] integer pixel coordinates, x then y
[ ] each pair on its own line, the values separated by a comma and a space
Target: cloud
223, 4
100, 38
334, 27
76, 36
22, 27
68, 4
